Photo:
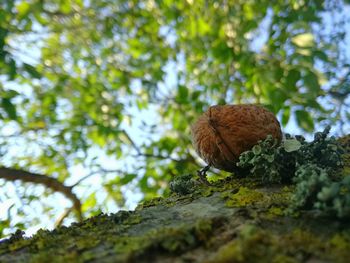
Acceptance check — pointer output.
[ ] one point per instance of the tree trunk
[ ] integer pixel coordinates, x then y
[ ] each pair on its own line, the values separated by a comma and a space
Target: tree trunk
234, 221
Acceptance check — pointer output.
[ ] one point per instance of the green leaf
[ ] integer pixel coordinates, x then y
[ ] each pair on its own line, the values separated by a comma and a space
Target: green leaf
12, 69
41, 18
9, 94
195, 95
178, 121
32, 71
304, 120
277, 97
182, 94
321, 55
311, 81
304, 40
9, 108
285, 116
127, 178
23, 9
136, 47
292, 78
143, 183
90, 202
270, 158
66, 6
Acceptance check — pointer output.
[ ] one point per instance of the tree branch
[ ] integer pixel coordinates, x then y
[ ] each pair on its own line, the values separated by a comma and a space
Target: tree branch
101, 170
60, 219
49, 182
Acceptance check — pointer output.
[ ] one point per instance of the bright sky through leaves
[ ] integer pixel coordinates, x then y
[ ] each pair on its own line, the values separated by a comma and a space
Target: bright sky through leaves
110, 89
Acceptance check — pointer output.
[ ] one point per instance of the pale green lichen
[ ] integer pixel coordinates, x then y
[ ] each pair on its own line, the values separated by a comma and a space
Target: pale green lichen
314, 167
183, 184
315, 189
273, 163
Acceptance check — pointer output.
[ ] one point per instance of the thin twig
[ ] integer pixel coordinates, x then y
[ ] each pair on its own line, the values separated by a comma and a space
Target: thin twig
63, 216
149, 155
11, 174
101, 170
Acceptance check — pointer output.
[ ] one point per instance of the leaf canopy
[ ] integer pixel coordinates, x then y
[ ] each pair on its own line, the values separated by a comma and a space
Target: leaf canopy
107, 90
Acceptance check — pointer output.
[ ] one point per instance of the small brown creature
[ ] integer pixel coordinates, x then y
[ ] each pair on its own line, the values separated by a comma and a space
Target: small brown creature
222, 133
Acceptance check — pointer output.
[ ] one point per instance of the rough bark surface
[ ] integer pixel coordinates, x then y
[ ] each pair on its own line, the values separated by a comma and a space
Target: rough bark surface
233, 221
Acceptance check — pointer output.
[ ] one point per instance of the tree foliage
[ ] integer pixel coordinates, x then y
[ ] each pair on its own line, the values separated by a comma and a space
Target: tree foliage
100, 95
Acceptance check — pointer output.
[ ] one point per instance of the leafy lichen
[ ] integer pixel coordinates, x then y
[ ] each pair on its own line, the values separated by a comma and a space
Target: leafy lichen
314, 167
182, 185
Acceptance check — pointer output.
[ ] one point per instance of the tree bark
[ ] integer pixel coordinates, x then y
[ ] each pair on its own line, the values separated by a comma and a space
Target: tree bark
236, 220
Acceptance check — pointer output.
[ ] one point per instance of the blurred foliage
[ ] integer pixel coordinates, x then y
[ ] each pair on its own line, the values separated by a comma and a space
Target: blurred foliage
101, 94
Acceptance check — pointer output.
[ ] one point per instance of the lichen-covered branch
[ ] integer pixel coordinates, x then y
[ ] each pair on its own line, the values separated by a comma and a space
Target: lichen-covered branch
236, 220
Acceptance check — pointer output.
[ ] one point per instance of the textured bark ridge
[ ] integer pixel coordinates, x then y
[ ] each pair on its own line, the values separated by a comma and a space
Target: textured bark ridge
231, 221
222, 133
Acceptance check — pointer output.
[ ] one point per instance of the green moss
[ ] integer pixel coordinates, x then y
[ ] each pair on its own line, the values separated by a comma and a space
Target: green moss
339, 246
251, 245
340, 242
133, 219
244, 197
196, 227
335, 249
19, 244
301, 238
276, 211
166, 239
345, 143
67, 242
208, 192
284, 259
128, 245
254, 244
187, 237
148, 203
203, 229
228, 253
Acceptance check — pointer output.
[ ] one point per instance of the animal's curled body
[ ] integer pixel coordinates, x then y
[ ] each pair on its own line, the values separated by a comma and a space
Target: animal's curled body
223, 132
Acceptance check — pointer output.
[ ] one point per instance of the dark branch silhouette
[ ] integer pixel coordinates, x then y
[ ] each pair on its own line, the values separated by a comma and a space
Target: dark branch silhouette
11, 174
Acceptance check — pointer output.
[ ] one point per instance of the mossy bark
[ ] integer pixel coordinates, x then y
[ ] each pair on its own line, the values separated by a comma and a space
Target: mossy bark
235, 220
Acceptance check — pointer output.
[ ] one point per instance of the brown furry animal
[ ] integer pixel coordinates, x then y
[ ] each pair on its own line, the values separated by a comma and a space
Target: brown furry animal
222, 133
